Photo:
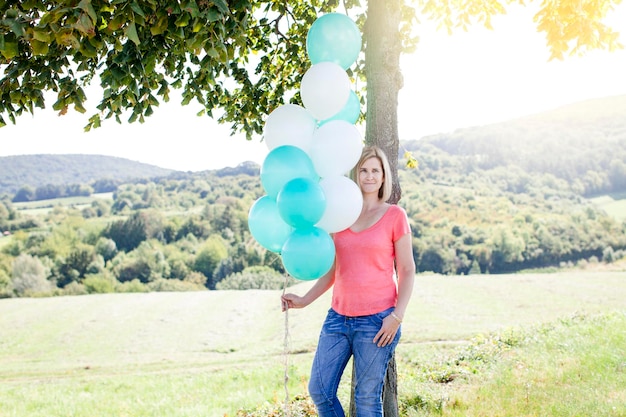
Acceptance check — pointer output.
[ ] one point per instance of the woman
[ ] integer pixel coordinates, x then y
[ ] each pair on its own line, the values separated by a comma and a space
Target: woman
368, 303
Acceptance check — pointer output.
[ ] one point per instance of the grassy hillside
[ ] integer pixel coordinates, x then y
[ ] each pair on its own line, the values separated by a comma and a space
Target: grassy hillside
613, 204
583, 144
38, 170
212, 353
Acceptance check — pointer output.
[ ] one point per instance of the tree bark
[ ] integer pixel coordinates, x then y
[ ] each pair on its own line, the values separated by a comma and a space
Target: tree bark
383, 46
384, 81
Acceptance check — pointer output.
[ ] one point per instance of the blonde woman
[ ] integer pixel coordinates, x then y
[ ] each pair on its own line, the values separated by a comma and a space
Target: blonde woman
372, 279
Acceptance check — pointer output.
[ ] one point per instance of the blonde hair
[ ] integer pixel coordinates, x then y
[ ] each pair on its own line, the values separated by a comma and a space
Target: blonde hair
375, 152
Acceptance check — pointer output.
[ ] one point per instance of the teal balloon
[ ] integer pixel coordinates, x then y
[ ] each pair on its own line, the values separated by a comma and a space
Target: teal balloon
283, 164
308, 253
334, 37
350, 112
266, 225
301, 202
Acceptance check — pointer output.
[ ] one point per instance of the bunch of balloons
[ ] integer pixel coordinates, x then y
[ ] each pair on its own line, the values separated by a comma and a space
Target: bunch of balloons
311, 149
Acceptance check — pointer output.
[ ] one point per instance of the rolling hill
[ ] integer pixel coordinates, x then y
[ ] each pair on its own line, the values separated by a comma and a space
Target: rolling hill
583, 144
39, 170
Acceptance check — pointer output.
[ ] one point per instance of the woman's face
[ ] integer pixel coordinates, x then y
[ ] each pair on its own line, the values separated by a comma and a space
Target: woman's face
371, 175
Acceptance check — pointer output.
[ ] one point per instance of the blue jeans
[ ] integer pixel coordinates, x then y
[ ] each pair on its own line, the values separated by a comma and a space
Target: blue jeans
342, 337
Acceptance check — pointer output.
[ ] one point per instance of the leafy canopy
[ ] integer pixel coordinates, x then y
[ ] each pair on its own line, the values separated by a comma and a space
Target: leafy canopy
241, 57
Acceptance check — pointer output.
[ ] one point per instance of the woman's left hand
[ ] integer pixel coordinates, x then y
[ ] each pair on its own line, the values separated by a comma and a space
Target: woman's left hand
387, 332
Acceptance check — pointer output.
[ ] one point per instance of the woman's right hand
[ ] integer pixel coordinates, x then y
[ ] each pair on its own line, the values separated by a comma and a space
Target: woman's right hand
320, 287
292, 301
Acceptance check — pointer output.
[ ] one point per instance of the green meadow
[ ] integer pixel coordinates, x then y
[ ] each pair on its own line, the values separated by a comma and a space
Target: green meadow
613, 204
482, 345
42, 207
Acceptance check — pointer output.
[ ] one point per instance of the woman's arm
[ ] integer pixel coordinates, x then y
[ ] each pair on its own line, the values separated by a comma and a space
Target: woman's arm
405, 269
321, 286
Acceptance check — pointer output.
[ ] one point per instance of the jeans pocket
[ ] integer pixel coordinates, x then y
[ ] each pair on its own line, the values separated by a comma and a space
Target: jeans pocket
379, 317
334, 322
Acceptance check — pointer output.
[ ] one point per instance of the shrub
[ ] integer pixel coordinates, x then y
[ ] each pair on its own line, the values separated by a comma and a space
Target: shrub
29, 276
164, 285
106, 248
209, 256
5, 275
608, 255
255, 278
147, 263
196, 278
300, 406
5, 284
99, 284
73, 288
178, 267
127, 234
131, 286
97, 266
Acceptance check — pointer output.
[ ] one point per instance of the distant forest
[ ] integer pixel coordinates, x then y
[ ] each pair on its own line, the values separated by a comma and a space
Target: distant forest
581, 145
40, 177
495, 199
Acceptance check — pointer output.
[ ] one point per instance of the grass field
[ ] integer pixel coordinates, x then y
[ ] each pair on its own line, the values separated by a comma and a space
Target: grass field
42, 207
613, 204
213, 353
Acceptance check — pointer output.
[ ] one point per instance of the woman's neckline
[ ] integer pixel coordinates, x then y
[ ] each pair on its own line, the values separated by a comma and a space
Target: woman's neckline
371, 225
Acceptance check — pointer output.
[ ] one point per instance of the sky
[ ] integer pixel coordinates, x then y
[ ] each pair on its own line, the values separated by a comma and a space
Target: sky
453, 81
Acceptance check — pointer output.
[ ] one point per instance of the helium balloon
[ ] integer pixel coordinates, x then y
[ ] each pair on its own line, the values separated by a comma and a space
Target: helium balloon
334, 37
350, 112
289, 125
336, 148
281, 165
308, 253
266, 225
301, 202
344, 202
325, 89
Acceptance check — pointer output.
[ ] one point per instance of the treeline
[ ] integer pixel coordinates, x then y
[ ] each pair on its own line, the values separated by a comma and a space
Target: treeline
501, 220
191, 233
582, 144
173, 234
497, 202
50, 191
37, 171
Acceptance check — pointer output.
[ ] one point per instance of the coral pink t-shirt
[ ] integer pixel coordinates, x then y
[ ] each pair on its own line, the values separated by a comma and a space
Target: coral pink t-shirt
364, 272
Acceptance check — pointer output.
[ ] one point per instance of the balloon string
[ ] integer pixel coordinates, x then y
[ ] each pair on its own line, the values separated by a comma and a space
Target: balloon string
286, 351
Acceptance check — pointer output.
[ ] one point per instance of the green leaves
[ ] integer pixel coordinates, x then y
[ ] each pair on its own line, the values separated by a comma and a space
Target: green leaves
13, 23
139, 49
85, 25
8, 45
39, 48
12, 29
222, 6
87, 7
243, 57
131, 33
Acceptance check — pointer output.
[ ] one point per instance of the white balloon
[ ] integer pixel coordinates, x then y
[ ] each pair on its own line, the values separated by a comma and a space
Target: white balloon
343, 203
336, 148
289, 124
325, 89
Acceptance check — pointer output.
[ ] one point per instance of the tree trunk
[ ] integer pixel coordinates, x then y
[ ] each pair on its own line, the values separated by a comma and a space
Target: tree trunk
384, 80
390, 392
